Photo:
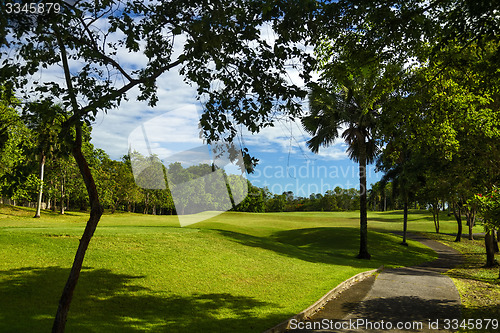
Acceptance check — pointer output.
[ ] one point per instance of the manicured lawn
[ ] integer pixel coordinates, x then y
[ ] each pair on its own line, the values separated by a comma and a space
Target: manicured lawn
237, 272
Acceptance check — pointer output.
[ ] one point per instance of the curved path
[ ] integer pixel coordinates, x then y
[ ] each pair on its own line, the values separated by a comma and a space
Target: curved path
416, 299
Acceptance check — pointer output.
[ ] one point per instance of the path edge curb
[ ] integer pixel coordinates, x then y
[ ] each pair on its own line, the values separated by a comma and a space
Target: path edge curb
307, 313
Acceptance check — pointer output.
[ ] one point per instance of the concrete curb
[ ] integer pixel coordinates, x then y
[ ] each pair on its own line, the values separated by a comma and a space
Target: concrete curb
307, 313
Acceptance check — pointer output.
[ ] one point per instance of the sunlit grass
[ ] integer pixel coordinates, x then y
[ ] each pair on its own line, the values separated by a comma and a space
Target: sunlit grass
236, 272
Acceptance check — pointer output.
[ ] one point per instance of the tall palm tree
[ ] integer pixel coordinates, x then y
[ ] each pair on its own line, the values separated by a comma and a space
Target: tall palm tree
347, 110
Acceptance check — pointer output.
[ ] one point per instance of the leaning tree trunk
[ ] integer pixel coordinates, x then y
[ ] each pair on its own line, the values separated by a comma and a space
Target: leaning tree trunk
363, 217
405, 221
40, 190
96, 211
458, 216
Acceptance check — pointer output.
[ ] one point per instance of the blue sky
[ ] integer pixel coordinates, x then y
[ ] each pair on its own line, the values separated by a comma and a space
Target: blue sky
171, 129
307, 174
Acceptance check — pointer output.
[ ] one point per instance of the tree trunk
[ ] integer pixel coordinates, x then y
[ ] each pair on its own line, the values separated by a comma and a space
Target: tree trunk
363, 217
40, 191
495, 241
114, 206
54, 206
62, 197
435, 215
471, 225
146, 204
490, 251
437, 219
471, 220
458, 217
405, 221
96, 211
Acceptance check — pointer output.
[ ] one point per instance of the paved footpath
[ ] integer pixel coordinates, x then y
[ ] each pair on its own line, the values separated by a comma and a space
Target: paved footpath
417, 296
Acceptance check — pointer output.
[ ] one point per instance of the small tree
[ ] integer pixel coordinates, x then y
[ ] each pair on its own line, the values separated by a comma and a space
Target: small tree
44, 120
488, 206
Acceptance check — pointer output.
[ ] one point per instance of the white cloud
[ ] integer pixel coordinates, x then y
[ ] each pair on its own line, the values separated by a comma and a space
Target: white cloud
174, 97
289, 137
168, 133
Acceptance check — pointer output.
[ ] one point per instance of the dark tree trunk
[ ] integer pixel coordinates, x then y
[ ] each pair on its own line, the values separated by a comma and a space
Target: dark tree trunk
96, 211
471, 220
495, 241
114, 206
405, 221
471, 225
435, 215
490, 250
458, 217
363, 217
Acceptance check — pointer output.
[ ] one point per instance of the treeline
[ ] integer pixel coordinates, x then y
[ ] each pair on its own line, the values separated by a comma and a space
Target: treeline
261, 200
27, 145
33, 162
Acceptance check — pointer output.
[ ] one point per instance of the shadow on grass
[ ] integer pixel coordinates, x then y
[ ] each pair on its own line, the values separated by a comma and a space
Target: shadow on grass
483, 313
16, 211
399, 220
108, 302
336, 246
400, 212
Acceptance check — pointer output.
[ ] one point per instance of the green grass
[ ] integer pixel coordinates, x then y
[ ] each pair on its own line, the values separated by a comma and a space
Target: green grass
236, 272
479, 287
